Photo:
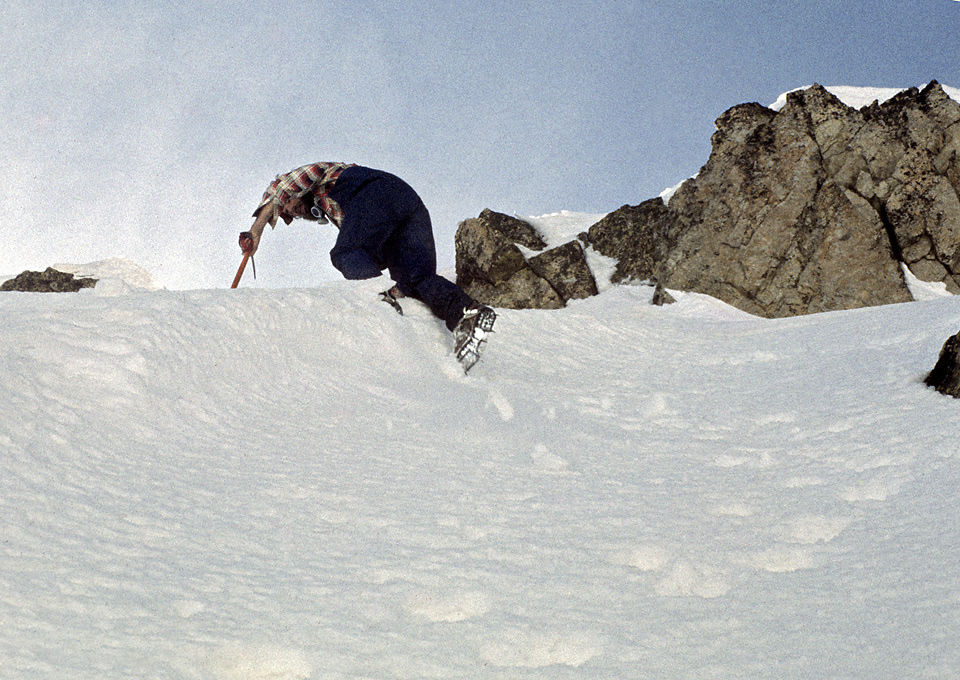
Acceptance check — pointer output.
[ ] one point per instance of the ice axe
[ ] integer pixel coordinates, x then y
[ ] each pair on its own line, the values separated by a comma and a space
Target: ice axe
246, 245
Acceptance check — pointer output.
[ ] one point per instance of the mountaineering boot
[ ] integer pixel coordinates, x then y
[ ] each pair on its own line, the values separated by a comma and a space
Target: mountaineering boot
470, 335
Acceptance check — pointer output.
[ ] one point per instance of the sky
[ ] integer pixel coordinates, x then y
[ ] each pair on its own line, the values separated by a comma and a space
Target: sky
149, 130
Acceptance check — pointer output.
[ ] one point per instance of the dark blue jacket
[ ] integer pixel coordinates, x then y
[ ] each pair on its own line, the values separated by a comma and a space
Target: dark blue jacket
386, 226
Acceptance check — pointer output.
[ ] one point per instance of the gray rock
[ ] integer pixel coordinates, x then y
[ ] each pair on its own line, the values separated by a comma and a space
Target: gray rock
492, 268
638, 237
565, 268
486, 248
945, 376
808, 209
660, 296
47, 281
523, 290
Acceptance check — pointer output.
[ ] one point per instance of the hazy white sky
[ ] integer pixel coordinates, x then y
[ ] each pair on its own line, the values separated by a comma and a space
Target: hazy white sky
148, 130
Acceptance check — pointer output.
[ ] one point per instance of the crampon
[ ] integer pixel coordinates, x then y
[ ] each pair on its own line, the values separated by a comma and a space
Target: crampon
470, 335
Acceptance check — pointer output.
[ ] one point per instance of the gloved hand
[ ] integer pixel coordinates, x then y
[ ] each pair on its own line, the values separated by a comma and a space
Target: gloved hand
246, 241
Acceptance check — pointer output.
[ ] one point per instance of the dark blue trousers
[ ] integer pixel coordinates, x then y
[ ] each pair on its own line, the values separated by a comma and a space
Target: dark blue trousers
387, 226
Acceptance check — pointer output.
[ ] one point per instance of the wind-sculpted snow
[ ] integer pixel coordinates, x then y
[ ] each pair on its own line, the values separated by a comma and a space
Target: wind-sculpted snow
302, 484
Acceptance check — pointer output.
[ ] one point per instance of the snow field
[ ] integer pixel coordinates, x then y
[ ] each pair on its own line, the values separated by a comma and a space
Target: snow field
302, 484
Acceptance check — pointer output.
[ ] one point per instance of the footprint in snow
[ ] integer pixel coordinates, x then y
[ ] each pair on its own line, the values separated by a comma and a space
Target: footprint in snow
238, 661
528, 649
733, 510
547, 461
873, 490
814, 529
781, 560
686, 579
678, 577
448, 608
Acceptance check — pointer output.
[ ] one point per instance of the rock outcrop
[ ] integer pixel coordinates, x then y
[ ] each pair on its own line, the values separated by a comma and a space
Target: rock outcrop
811, 208
47, 281
492, 266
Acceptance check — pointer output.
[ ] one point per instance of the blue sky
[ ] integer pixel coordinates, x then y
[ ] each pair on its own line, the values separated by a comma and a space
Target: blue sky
148, 130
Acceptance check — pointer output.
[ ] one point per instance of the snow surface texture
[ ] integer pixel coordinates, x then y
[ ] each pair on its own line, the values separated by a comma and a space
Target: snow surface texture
302, 484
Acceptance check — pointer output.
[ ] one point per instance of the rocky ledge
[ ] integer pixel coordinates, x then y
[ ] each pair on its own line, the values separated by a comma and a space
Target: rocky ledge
812, 208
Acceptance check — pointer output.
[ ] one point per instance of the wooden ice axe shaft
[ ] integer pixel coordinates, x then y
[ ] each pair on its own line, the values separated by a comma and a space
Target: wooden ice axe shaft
243, 265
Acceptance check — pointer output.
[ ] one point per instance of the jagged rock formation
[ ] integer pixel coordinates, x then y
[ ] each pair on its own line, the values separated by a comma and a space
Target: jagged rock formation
47, 281
492, 267
807, 209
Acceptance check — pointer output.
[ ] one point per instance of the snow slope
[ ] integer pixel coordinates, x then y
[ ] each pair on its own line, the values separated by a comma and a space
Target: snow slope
275, 484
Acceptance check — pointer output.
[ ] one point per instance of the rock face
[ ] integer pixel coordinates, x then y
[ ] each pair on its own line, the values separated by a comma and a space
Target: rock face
492, 268
811, 208
808, 209
48, 281
945, 376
